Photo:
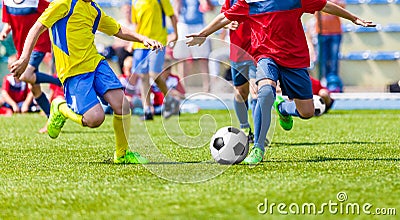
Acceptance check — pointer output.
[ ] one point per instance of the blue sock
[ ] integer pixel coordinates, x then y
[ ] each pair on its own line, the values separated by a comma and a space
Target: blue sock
288, 108
262, 119
44, 103
46, 78
241, 113
253, 106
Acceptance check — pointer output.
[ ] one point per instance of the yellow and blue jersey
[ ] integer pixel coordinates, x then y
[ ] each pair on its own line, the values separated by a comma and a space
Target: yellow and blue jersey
150, 19
73, 24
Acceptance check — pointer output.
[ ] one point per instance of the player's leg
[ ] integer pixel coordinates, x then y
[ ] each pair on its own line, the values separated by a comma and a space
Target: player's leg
140, 66
267, 75
109, 88
240, 72
32, 74
296, 84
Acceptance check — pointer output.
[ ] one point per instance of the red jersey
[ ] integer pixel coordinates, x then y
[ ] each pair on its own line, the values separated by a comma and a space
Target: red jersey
240, 38
22, 17
277, 31
18, 91
316, 85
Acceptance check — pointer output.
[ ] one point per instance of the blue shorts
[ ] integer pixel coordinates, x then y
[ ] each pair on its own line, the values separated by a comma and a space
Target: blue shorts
294, 82
147, 61
242, 72
82, 91
36, 58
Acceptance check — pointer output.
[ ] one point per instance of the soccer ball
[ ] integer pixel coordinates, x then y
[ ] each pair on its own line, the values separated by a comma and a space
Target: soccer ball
229, 145
319, 105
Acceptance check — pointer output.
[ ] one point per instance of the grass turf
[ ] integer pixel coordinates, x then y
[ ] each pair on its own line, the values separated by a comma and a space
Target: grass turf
356, 152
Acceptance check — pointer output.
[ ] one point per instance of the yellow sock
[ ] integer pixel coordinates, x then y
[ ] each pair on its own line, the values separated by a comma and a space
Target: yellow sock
122, 125
67, 112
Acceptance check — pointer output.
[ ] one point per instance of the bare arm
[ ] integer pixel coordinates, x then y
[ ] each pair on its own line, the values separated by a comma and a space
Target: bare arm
19, 66
174, 22
128, 35
6, 30
7, 99
217, 23
334, 9
27, 103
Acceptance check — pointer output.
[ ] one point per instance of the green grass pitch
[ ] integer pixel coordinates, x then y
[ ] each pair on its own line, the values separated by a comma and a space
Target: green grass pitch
351, 152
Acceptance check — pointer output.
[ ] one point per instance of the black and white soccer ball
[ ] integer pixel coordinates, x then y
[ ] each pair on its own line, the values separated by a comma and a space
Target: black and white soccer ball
229, 145
319, 105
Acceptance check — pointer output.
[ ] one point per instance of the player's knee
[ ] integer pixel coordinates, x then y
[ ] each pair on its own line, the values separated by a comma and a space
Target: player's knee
306, 114
95, 122
241, 93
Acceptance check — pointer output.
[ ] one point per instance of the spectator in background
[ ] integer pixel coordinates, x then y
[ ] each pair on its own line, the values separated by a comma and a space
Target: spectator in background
131, 83
329, 31
56, 91
191, 20
15, 93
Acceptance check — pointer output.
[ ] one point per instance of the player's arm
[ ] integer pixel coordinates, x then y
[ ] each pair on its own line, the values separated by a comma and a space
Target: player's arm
334, 9
19, 66
128, 35
174, 36
5, 31
217, 23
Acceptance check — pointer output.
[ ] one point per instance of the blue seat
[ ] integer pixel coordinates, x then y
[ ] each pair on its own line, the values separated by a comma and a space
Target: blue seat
347, 27
385, 55
353, 2
391, 28
378, 2
357, 55
361, 29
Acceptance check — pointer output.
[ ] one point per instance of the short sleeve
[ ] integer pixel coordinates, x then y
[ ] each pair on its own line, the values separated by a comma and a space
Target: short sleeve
56, 11
6, 84
108, 25
238, 12
167, 7
311, 6
133, 15
225, 6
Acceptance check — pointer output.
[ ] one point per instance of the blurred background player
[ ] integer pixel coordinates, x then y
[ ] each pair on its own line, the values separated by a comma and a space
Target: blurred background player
175, 90
242, 68
329, 31
84, 72
191, 20
19, 17
148, 16
15, 93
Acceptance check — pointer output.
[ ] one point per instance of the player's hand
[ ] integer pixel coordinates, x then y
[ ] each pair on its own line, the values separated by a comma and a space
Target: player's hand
196, 39
234, 25
16, 108
363, 23
153, 44
18, 67
172, 38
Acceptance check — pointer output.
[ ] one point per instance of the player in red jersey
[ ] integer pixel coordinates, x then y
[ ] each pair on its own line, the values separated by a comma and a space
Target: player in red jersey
243, 69
19, 17
279, 46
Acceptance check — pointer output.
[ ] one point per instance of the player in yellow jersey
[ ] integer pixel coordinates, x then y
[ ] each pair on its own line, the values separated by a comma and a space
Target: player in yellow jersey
84, 73
149, 17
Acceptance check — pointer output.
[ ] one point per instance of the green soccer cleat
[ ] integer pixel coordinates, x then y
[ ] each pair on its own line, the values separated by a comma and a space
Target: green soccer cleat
255, 156
130, 158
286, 122
56, 119
249, 134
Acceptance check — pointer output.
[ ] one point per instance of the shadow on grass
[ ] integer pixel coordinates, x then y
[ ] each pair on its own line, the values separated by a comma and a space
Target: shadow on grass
279, 144
327, 159
87, 131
